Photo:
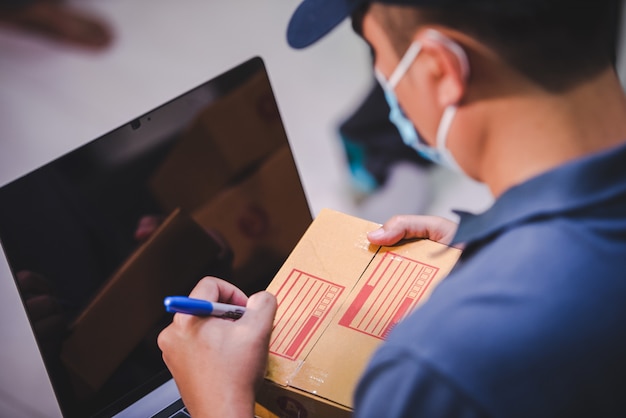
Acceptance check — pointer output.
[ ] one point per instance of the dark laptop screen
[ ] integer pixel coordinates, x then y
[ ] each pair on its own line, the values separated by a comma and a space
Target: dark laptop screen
203, 185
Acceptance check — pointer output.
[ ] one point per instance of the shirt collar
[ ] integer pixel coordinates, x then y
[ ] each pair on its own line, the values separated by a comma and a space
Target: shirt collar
574, 185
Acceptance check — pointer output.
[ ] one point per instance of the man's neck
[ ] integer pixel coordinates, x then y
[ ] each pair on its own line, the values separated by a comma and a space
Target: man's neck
529, 135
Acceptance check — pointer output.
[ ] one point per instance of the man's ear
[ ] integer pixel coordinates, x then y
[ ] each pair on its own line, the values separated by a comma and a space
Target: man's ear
448, 64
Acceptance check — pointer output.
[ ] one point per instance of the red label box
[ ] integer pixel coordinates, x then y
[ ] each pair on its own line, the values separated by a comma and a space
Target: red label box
392, 290
303, 302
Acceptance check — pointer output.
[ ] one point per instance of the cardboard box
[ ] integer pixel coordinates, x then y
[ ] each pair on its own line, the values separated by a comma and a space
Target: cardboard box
338, 297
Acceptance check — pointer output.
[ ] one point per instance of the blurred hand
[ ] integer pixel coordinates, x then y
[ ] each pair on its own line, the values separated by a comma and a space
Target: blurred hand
215, 362
53, 19
403, 227
146, 226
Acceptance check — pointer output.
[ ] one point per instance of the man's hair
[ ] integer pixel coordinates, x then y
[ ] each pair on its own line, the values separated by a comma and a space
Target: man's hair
555, 43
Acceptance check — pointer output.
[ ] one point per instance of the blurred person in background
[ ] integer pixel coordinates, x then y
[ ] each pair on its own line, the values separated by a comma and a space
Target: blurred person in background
55, 20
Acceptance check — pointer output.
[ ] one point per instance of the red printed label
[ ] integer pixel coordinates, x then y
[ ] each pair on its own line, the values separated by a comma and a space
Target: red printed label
392, 290
303, 303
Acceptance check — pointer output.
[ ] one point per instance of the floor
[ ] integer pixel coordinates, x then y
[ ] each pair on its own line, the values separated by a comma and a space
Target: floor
54, 98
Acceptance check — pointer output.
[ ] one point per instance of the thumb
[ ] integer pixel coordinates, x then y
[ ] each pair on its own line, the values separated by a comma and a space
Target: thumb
402, 227
260, 311
386, 236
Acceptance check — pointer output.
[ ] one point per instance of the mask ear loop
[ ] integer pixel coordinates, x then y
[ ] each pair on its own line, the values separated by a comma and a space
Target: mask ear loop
450, 111
442, 136
404, 64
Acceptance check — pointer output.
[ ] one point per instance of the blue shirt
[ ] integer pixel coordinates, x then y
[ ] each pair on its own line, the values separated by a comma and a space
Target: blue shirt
531, 322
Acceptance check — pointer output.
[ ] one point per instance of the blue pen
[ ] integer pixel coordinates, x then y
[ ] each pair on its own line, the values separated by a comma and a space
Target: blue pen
198, 307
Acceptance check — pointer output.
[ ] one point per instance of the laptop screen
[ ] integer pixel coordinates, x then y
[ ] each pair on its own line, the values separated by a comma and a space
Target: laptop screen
203, 185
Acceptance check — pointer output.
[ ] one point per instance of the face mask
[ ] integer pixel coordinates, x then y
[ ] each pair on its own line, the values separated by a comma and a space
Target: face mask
440, 155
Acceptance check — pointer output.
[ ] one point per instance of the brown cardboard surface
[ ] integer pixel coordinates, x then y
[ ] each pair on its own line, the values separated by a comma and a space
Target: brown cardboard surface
131, 302
327, 261
290, 402
338, 297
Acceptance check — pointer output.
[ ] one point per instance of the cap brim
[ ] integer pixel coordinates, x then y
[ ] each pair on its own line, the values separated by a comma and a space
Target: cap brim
315, 18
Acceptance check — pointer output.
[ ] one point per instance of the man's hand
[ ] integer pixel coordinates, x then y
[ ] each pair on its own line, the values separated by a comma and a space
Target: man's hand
403, 227
216, 362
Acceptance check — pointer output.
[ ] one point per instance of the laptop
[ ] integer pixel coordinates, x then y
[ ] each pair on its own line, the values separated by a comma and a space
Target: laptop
205, 184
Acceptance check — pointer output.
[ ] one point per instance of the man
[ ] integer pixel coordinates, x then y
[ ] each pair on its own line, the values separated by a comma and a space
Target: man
518, 94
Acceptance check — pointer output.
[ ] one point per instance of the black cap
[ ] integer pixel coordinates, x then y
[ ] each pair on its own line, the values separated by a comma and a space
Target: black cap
315, 18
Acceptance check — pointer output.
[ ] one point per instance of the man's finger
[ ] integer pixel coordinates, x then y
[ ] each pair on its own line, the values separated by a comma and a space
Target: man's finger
403, 227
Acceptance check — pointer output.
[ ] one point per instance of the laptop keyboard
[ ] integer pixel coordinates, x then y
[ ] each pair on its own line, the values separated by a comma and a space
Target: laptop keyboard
175, 410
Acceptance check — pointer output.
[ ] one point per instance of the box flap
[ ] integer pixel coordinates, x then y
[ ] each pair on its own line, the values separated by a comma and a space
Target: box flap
311, 286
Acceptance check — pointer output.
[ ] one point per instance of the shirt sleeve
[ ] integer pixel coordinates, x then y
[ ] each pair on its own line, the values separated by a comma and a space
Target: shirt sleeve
397, 383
